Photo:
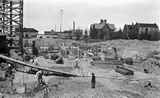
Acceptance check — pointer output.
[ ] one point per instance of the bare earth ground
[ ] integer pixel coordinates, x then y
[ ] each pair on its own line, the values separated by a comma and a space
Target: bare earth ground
109, 83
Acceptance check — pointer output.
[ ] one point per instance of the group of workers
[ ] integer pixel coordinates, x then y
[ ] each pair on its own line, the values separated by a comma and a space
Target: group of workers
59, 60
39, 74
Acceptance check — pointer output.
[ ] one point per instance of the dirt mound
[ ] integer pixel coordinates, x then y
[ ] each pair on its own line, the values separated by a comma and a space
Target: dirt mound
136, 49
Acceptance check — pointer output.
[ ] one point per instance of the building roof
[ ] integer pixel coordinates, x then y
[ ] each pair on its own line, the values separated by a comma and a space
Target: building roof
147, 25
99, 26
126, 25
50, 33
111, 26
129, 26
27, 30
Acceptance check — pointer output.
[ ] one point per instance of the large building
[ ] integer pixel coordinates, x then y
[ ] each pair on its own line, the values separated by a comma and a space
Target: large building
129, 32
141, 31
51, 34
101, 30
29, 35
149, 30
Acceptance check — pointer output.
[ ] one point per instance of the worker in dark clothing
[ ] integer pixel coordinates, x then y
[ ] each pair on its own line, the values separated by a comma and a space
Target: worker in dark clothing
77, 63
9, 71
115, 51
39, 76
93, 81
10, 74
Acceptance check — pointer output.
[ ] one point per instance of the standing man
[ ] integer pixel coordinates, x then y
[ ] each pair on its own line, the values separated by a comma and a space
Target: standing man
77, 63
93, 81
35, 61
39, 76
115, 52
10, 74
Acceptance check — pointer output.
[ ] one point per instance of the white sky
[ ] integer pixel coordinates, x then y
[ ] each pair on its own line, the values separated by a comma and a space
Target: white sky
45, 14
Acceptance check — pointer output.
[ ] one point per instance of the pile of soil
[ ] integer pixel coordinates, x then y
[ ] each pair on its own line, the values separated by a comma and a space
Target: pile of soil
130, 48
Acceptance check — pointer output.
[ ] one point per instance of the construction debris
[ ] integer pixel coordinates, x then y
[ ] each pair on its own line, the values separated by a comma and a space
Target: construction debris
127, 80
124, 71
151, 65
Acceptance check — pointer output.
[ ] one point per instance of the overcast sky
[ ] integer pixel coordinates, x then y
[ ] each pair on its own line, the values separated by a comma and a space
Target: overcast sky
45, 14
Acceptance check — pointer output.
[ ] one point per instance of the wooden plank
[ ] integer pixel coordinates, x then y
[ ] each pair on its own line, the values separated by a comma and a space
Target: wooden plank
124, 71
53, 72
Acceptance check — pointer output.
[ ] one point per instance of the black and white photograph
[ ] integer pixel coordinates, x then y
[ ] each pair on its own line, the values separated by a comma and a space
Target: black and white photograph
79, 49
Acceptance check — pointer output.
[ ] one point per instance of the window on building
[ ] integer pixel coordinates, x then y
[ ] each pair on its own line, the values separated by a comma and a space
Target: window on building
156, 29
26, 36
146, 30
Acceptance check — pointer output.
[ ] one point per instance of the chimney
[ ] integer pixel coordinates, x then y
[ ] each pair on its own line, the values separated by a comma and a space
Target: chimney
105, 21
101, 21
74, 26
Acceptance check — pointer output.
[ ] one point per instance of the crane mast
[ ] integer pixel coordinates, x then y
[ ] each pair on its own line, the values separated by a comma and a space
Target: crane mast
11, 21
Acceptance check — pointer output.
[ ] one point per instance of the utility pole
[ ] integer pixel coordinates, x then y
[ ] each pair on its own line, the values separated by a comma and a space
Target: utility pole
55, 28
73, 31
74, 26
61, 20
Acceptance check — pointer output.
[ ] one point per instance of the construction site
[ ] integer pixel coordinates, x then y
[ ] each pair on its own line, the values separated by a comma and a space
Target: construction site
73, 69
